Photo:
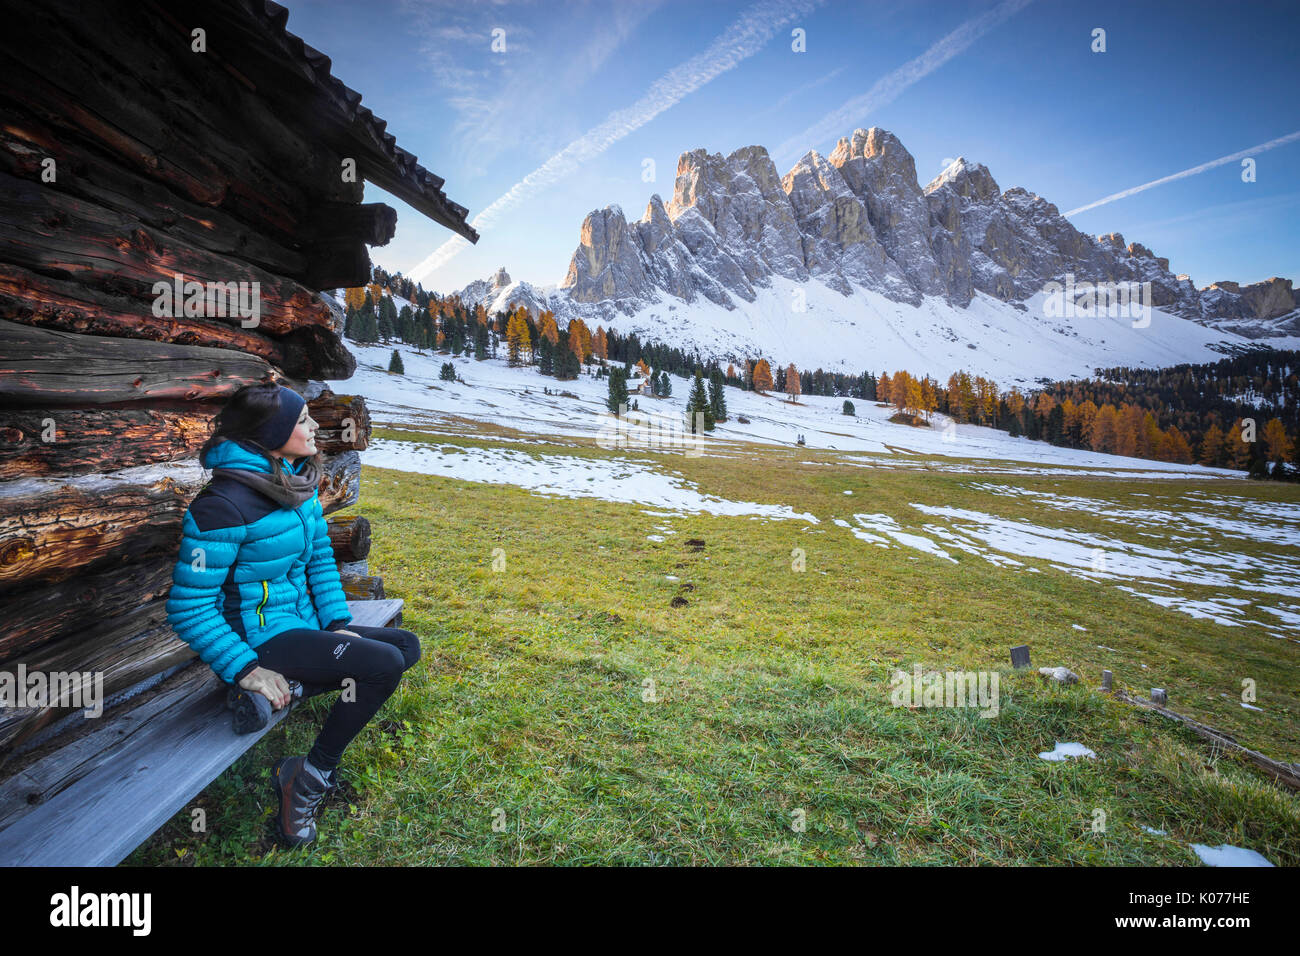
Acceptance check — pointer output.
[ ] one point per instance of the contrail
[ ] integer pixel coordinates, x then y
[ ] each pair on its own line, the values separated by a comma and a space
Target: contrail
741, 40
887, 89
1271, 144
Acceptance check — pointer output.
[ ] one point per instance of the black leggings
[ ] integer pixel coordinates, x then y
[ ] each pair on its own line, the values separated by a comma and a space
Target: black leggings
321, 660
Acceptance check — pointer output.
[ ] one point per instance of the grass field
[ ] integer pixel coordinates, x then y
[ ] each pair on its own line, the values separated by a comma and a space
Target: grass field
575, 704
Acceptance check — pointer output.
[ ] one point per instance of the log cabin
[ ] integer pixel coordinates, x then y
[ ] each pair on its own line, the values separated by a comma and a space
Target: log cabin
146, 143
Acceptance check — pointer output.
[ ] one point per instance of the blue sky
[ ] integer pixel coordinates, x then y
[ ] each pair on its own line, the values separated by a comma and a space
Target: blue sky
1018, 88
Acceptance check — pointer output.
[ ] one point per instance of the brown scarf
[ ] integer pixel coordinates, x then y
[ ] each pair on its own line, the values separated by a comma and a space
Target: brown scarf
301, 486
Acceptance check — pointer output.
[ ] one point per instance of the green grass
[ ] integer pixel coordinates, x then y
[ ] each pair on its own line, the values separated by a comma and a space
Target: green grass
524, 734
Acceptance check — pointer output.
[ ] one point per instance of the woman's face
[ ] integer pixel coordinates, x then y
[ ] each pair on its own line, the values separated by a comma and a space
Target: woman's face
302, 443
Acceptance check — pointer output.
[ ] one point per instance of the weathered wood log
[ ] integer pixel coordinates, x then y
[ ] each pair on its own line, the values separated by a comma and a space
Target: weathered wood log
341, 482
84, 440
34, 299
80, 605
349, 537
359, 588
55, 234
85, 172
344, 421
131, 648
48, 367
316, 352
1287, 774
337, 265
370, 223
333, 254
65, 440
53, 529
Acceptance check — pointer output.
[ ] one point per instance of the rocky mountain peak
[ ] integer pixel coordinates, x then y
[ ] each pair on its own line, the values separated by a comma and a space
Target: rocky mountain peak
858, 219
969, 180
879, 145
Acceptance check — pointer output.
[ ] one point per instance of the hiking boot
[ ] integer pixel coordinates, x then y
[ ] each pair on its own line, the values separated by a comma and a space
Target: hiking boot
299, 791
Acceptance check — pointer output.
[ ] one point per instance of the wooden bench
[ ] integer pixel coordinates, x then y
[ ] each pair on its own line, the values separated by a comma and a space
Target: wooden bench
95, 800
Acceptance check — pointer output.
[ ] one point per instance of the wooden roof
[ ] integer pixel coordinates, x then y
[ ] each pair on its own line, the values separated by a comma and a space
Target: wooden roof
250, 38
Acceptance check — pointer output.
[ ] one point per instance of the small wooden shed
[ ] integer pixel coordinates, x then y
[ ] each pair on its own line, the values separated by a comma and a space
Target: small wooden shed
140, 142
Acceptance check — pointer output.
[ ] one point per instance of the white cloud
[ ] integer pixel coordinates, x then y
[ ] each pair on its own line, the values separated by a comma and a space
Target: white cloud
748, 34
497, 96
1271, 144
888, 88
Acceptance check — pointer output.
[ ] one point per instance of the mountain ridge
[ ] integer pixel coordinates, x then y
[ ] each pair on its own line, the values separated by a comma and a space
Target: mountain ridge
859, 223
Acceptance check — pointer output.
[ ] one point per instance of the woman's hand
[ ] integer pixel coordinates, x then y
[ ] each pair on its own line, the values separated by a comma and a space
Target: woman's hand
269, 684
349, 633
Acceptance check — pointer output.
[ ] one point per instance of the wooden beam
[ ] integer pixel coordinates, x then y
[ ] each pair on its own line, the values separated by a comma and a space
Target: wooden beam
81, 604
349, 537
53, 529
106, 438
48, 367
1287, 774
359, 588
55, 234
344, 421
49, 302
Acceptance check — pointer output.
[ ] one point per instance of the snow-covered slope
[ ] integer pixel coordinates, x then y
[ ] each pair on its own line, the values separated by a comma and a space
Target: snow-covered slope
517, 398
814, 326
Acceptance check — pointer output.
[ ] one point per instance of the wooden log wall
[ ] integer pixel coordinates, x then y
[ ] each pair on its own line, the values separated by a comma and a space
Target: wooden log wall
132, 159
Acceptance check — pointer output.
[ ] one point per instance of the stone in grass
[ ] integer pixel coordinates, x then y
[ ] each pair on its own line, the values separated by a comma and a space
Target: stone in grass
1062, 674
1063, 750
1225, 855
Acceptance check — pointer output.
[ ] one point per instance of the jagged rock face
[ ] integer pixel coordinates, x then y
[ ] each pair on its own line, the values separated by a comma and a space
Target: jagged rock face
742, 198
667, 261
883, 175
1271, 298
859, 219
607, 264
839, 244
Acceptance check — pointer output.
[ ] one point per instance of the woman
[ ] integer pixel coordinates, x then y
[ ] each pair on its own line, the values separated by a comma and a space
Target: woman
256, 593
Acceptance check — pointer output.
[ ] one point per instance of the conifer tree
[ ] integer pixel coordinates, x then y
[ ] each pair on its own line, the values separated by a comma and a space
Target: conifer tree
698, 404
717, 397
617, 389
395, 363
571, 366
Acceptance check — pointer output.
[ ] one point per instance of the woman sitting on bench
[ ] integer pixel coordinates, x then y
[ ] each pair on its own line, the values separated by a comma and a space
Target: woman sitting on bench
254, 541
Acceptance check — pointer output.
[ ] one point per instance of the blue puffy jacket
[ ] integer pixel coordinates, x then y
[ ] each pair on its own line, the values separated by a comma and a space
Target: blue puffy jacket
245, 566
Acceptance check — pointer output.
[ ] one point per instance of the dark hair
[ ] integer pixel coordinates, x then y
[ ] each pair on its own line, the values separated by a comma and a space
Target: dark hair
244, 412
